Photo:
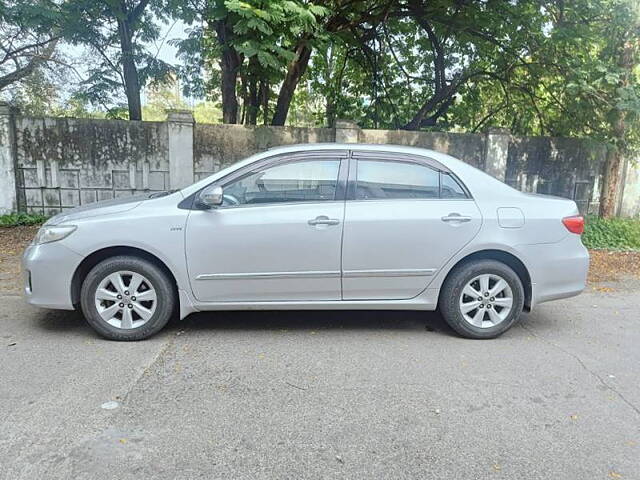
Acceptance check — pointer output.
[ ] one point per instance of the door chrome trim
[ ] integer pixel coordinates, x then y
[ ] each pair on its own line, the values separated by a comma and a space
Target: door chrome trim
268, 275
406, 272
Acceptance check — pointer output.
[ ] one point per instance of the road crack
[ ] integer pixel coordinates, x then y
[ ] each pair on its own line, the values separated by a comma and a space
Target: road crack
585, 368
143, 371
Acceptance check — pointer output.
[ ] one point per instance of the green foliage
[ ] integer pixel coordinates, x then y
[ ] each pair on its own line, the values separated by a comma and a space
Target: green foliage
28, 38
261, 34
17, 219
207, 112
98, 25
575, 82
543, 67
613, 233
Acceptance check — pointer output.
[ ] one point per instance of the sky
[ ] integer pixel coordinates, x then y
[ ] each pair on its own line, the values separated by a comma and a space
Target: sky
162, 48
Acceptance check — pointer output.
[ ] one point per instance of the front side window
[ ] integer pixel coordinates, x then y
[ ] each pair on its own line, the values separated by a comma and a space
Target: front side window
392, 179
295, 181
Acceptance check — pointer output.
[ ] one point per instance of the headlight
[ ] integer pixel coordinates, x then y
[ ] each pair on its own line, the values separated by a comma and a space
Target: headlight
48, 234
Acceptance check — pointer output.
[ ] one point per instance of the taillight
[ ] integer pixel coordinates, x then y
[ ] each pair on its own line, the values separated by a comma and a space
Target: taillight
574, 224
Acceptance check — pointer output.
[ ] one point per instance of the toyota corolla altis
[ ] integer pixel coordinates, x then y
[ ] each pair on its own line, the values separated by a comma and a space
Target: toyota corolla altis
335, 226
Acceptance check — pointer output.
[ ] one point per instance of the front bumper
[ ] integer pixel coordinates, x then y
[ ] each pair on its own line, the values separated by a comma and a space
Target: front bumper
558, 270
47, 271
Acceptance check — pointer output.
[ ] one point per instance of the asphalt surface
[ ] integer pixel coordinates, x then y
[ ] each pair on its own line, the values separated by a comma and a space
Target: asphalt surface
358, 395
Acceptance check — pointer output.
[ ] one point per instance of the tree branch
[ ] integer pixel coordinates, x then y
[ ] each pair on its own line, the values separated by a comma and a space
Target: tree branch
137, 11
23, 72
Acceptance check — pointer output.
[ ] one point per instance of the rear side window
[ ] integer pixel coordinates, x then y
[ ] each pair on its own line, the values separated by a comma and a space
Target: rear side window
389, 179
450, 188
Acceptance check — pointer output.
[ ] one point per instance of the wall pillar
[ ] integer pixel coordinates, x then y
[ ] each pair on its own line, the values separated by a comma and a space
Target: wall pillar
629, 194
347, 132
8, 201
180, 125
496, 152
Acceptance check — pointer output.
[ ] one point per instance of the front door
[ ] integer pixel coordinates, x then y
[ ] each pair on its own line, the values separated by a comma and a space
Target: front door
403, 221
276, 237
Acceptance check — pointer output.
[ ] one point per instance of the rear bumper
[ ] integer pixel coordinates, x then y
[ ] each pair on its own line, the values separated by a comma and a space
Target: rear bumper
47, 271
558, 270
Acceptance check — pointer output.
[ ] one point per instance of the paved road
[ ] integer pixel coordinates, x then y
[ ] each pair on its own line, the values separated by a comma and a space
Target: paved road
325, 395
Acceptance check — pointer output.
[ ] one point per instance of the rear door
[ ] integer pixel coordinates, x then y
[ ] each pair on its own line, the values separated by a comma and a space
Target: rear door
404, 218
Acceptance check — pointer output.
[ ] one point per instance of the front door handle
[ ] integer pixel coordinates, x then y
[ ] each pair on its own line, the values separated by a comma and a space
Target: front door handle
456, 217
323, 220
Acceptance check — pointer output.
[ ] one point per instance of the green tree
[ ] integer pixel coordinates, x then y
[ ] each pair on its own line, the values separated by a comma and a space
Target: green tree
253, 40
28, 38
580, 79
116, 32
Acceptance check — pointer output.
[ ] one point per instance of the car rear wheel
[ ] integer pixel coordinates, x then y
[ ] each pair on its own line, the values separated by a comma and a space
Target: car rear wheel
127, 298
482, 299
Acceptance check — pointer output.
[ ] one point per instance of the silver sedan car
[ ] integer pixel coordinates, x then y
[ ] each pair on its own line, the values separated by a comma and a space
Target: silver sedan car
322, 226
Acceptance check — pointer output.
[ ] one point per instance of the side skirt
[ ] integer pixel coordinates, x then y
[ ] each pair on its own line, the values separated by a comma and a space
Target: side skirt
427, 300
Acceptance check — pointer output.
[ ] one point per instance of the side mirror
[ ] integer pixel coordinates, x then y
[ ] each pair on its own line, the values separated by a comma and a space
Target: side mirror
211, 197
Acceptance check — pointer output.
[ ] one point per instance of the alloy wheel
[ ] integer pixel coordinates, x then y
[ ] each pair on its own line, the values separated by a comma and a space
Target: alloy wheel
486, 300
125, 299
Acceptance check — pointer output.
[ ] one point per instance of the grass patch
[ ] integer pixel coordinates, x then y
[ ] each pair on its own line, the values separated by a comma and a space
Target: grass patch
613, 233
17, 219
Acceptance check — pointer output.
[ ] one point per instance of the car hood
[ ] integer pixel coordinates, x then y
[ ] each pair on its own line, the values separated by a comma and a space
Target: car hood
104, 207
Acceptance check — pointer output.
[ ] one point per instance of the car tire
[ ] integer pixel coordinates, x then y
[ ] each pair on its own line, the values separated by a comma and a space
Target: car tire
116, 313
474, 313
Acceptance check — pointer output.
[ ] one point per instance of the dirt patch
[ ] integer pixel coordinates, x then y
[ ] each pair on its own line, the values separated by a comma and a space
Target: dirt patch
610, 266
606, 265
13, 241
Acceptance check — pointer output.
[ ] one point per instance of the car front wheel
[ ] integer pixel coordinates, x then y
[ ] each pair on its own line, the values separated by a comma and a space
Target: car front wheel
127, 298
482, 299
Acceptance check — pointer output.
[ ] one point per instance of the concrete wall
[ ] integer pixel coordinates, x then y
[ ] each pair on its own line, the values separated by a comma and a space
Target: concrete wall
218, 146
469, 147
567, 167
50, 164
63, 162
630, 199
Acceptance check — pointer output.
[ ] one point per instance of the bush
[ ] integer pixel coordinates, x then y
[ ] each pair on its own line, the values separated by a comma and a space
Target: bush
16, 219
614, 233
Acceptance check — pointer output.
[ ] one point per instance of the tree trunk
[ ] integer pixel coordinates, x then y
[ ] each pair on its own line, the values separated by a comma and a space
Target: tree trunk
294, 73
611, 180
230, 62
243, 96
264, 100
330, 112
130, 71
610, 183
253, 101
416, 122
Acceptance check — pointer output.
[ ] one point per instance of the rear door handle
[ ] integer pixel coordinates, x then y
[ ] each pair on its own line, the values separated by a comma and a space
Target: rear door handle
456, 217
323, 220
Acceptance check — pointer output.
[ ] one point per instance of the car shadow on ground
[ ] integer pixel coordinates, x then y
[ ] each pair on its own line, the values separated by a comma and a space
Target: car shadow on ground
65, 322
62, 321
314, 320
